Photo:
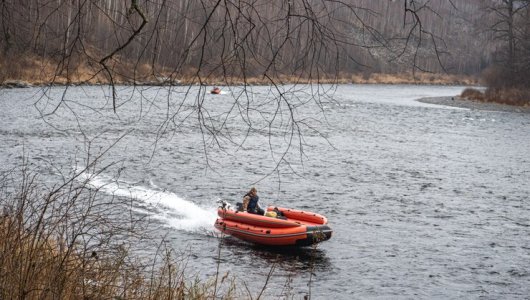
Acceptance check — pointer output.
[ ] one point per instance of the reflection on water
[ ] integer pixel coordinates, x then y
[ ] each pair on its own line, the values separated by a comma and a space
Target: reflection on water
291, 259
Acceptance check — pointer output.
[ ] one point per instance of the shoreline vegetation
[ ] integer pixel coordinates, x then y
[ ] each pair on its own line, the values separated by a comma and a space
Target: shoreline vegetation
499, 99
343, 78
376, 78
31, 71
508, 96
67, 243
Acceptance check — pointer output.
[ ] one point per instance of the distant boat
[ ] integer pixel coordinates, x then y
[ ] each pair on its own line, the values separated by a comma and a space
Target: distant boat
216, 90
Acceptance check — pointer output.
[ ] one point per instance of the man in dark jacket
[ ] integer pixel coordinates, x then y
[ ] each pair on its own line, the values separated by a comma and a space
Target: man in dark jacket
252, 199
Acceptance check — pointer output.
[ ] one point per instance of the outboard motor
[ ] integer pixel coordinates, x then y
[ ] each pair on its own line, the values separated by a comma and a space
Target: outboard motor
224, 204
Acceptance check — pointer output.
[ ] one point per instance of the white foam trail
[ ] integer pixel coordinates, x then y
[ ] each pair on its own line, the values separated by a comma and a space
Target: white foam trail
177, 212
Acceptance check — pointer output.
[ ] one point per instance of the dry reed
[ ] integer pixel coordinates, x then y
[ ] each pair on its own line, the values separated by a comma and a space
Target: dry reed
508, 96
40, 71
64, 244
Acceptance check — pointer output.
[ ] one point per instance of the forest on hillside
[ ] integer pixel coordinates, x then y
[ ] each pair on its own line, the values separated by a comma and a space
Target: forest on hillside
109, 41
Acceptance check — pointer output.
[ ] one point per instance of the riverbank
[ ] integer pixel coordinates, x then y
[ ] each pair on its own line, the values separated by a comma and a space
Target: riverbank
12, 84
378, 78
35, 71
457, 101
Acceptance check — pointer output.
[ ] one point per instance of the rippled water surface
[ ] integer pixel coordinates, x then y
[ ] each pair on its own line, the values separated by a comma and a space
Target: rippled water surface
425, 201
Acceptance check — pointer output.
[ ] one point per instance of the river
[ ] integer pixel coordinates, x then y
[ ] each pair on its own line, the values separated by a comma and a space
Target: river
426, 201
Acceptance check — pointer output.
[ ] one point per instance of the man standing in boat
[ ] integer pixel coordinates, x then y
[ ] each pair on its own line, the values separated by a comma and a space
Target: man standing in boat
250, 202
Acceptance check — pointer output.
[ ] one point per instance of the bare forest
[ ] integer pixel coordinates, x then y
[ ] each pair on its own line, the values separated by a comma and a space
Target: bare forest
255, 41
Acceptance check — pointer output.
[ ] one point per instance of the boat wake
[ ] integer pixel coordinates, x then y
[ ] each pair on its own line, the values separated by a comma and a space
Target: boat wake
166, 207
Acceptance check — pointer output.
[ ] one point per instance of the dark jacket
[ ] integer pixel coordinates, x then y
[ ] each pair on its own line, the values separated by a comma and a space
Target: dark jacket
253, 203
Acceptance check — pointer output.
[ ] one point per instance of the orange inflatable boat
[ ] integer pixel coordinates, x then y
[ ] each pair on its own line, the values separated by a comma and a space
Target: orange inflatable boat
215, 90
289, 227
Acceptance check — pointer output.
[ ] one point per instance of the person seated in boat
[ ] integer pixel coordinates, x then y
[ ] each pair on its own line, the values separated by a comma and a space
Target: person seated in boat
250, 202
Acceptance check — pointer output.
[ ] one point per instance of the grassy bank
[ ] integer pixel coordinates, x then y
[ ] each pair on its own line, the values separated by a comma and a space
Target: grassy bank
508, 96
33, 70
69, 243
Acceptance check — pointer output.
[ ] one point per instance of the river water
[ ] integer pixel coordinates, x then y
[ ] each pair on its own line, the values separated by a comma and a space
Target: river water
425, 201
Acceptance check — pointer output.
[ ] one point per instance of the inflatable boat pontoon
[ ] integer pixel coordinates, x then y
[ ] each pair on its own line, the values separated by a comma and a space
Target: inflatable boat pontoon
290, 228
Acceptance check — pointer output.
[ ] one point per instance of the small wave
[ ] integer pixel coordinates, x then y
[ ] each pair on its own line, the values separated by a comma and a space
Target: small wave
164, 206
